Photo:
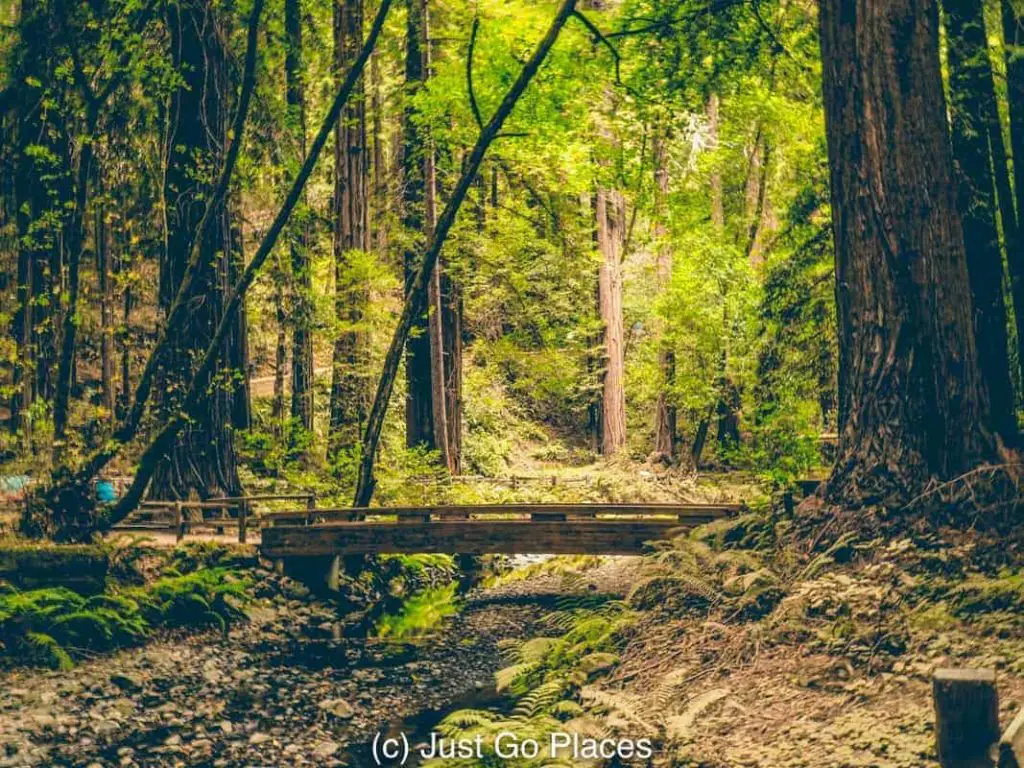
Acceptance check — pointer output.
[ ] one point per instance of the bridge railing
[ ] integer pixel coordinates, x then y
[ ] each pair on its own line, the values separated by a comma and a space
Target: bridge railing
181, 517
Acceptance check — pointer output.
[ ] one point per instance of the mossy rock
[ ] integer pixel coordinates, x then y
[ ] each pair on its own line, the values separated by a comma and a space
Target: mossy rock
81, 567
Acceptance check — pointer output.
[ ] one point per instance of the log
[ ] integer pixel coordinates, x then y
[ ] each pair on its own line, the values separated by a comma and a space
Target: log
966, 716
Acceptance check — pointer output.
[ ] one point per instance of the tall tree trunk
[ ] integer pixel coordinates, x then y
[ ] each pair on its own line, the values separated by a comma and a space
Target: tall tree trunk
610, 210
665, 409
972, 114
30, 196
419, 416
381, 208
438, 394
101, 241
349, 384
302, 306
73, 244
1013, 37
718, 222
912, 404
202, 461
280, 349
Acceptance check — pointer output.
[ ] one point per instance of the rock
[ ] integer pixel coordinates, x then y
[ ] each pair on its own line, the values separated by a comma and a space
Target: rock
259, 738
126, 682
172, 741
226, 726
337, 707
326, 749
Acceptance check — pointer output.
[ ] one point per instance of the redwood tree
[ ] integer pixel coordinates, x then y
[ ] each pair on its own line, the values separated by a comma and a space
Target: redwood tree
351, 233
975, 127
419, 415
202, 460
912, 404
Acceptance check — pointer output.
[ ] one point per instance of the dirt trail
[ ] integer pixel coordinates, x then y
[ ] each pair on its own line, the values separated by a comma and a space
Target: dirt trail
282, 689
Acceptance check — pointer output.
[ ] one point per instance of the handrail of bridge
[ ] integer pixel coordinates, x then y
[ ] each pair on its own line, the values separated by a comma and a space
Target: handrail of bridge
242, 503
548, 511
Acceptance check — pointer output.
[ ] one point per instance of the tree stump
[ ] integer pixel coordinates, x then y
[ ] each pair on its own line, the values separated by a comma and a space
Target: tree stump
966, 716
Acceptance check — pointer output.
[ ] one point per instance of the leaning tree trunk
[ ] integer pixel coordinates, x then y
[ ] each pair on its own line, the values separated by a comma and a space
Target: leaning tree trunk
302, 278
419, 416
912, 404
610, 211
349, 394
202, 460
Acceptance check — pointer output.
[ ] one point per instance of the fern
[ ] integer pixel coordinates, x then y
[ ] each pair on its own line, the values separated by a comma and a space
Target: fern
539, 699
46, 651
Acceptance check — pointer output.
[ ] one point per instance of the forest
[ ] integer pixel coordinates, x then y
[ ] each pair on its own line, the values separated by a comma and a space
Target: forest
438, 254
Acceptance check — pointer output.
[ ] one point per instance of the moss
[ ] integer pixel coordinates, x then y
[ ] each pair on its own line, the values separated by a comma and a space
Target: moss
979, 594
50, 626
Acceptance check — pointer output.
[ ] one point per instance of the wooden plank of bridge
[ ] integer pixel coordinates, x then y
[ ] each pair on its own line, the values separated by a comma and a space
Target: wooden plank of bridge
471, 537
683, 513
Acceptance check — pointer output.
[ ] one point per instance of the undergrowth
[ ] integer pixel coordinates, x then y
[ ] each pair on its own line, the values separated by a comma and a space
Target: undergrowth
54, 627
420, 614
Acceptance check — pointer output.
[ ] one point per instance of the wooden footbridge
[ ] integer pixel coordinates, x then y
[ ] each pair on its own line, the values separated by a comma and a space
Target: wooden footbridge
596, 528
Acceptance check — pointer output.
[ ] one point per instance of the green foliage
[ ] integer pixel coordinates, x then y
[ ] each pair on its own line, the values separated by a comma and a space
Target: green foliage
49, 627
421, 614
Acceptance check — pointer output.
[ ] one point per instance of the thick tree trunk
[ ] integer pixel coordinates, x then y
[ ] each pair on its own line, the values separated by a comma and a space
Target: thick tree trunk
202, 461
349, 384
419, 416
973, 113
416, 295
665, 409
194, 397
610, 210
302, 305
912, 404
1013, 37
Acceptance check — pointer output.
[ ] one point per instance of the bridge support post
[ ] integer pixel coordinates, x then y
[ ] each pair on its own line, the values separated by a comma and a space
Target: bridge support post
320, 573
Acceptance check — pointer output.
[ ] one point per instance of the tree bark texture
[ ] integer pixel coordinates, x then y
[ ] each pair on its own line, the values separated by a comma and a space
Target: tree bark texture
419, 415
302, 278
912, 403
349, 384
610, 210
973, 112
202, 461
